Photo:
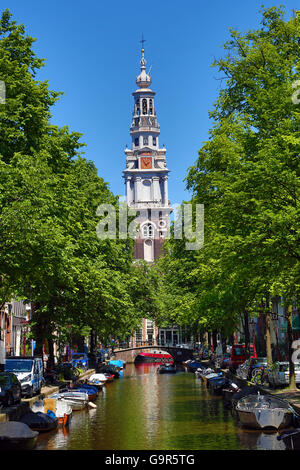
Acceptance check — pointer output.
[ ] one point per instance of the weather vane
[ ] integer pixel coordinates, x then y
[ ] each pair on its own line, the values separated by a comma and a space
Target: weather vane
143, 40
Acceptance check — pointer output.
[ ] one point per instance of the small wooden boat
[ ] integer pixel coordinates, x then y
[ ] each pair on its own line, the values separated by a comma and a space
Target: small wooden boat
60, 408
39, 421
15, 435
264, 412
97, 380
92, 393
76, 400
167, 368
206, 377
243, 392
202, 372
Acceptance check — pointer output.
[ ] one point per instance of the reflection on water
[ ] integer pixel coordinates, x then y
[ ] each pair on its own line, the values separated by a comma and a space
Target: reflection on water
145, 410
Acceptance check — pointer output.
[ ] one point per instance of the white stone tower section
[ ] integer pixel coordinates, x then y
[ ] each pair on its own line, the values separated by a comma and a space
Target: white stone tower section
146, 173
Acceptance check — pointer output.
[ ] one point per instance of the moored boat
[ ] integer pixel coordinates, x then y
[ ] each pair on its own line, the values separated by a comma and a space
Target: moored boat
194, 365
210, 375
216, 384
15, 435
243, 392
264, 412
97, 380
60, 408
117, 363
167, 368
227, 393
202, 372
89, 389
76, 400
109, 377
39, 421
154, 356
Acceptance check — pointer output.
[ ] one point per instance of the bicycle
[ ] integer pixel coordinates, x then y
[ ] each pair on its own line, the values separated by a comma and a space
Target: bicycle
259, 376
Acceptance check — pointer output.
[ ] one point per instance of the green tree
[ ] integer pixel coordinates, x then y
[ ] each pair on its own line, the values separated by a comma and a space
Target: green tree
50, 252
247, 173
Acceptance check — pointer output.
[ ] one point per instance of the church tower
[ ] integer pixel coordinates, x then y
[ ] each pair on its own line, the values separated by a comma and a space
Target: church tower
146, 173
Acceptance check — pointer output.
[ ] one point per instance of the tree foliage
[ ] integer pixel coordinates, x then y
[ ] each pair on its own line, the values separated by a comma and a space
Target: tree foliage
49, 194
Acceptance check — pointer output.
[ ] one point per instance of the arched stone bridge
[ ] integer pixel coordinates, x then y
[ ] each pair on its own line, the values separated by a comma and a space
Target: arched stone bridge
129, 354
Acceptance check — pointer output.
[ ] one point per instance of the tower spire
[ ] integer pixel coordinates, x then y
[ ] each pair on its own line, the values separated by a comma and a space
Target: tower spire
143, 80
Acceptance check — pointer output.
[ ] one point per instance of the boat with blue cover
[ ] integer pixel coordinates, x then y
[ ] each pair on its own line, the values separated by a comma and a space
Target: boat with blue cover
194, 365
216, 384
117, 363
89, 389
39, 421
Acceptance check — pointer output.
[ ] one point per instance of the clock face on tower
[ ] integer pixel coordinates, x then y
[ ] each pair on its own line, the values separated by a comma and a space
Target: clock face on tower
146, 163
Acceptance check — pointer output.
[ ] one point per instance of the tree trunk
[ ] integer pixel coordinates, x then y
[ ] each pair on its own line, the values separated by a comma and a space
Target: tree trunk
214, 340
92, 341
209, 340
268, 332
38, 329
247, 334
51, 353
289, 316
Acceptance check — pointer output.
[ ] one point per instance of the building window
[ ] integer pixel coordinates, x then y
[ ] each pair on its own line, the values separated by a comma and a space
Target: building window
148, 231
136, 142
154, 140
139, 335
145, 140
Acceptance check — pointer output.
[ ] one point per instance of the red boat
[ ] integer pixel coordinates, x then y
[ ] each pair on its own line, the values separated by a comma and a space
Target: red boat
154, 356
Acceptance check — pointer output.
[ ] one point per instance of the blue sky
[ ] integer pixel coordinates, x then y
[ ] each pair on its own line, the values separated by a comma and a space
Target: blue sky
92, 53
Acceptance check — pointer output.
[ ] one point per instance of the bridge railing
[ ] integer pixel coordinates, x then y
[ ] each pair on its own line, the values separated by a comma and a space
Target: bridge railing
139, 344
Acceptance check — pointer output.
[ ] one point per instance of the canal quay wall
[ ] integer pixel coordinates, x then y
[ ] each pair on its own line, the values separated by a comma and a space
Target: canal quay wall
15, 412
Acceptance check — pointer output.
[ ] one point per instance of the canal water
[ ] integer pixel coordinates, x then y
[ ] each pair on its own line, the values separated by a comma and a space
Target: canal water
145, 410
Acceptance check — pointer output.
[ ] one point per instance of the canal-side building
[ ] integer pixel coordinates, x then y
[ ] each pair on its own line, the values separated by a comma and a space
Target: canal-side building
146, 182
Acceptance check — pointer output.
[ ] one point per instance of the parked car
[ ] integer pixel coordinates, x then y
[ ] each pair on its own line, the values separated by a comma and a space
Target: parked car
245, 370
10, 389
30, 372
79, 359
238, 356
279, 374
